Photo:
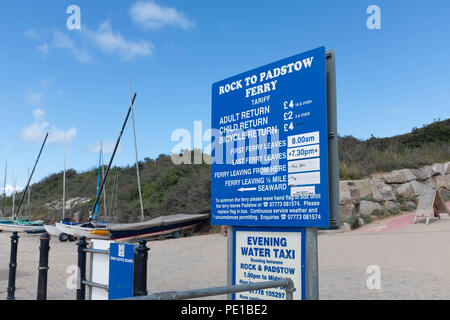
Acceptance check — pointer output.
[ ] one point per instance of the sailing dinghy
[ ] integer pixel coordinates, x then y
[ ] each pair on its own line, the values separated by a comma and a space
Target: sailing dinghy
93, 229
159, 226
155, 227
89, 230
25, 225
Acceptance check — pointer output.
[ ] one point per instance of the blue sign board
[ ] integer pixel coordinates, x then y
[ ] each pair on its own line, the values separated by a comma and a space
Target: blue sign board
266, 254
269, 145
121, 270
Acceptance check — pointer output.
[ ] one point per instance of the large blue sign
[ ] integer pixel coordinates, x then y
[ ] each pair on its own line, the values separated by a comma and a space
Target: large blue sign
121, 270
269, 145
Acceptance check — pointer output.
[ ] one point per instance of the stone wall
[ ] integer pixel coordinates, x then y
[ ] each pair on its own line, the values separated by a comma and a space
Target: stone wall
393, 190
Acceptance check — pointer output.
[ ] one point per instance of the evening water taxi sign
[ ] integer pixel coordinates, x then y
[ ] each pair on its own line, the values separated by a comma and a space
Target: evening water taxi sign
269, 145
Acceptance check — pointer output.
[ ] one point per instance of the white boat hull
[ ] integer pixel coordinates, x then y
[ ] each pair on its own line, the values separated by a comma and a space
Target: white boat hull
78, 231
52, 230
17, 227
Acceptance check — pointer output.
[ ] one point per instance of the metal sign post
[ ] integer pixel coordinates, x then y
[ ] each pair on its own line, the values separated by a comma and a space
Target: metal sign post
311, 265
333, 160
275, 169
311, 249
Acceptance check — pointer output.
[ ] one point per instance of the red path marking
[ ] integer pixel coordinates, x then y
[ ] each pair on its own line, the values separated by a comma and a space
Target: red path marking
388, 225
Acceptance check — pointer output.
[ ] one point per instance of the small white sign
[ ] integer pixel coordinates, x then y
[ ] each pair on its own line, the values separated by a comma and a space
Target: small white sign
311, 151
303, 139
304, 179
304, 165
121, 250
300, 191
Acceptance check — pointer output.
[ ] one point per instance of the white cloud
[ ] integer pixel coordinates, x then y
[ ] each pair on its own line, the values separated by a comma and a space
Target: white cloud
81, 44
108, 147
44, 49
34, 98
37, 130
38, 113
47, 82
57, 135
32, 34
54, 39
63, 41
112, 42
150, 15
34, 132
9, 190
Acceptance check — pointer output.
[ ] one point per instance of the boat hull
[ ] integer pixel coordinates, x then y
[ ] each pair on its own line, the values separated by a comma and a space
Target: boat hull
34, 229
78, 231
52, 230
11, 227
154, 228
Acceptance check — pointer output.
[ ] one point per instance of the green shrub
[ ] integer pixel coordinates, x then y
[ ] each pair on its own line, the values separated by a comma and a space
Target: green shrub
407, 207
369, 199
352, 220
366, 219
420, 147
394, 211
379, 212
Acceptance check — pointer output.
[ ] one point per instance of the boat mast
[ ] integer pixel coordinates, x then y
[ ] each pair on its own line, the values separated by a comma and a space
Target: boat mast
64, 182
104, 188
137, 161
114, 152
29, 197
98, 182
13, 195
114, 194
4, 188
31, 176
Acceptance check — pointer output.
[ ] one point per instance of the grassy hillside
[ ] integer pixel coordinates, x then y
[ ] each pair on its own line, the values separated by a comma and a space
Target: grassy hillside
166, 189
422, 146
169, 189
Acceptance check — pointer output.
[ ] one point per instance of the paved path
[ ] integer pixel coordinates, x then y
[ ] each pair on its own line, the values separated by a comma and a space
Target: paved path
414, 261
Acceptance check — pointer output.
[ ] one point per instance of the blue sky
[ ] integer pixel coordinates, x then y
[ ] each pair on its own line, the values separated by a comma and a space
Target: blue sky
75, 82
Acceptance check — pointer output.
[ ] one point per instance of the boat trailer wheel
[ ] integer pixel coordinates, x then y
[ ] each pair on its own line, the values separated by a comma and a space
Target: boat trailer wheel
63, 237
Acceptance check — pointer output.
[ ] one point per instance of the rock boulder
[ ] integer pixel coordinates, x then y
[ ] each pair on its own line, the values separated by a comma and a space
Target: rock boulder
442, 181
422, 173
367, 207
364, 187
405, 190
382, 191
437, 169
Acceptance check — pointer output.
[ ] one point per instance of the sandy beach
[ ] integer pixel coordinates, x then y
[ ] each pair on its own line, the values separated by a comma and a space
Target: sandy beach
414, 260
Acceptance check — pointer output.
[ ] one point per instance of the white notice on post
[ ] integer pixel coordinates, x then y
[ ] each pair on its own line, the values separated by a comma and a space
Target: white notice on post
266, 256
